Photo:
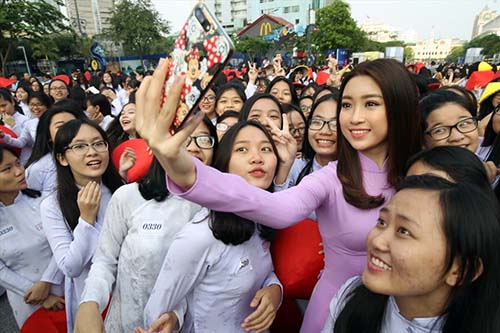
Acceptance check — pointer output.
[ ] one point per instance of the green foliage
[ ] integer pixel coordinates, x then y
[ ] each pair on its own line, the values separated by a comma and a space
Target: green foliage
337, 29
489, 43
137, 25
25, 20
163, 45
409, 54
456, 52
252, 46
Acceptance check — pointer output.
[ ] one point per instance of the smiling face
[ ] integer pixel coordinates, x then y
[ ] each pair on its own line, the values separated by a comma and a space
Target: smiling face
127, 119
12, 179
324, 141
266, 112
282, 92
22, 95
407, 250
89, 166
305, 106
203, 154
253, 158
58, 90
207, 103
229, 101
36, 106
106, 78
448, 115
363, 118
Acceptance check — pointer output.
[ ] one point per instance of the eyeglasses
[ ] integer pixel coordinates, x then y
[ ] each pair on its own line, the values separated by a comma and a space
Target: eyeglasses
496, 111
305, 108
202, 141
444, 132
35, 105
82, 148
297, 130
222, 127
317, 124
208, 99
58, 88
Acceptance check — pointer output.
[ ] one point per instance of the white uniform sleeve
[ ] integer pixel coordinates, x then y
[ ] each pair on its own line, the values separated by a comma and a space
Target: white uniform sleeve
20, 142
184, 267
52, 274
102, 275
250, 89
339, 301
71, 253
11, 280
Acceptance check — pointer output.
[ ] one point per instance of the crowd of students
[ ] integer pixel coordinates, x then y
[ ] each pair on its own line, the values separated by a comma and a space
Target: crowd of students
402, 184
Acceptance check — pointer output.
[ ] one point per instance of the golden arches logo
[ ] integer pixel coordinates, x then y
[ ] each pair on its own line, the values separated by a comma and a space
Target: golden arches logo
265, 29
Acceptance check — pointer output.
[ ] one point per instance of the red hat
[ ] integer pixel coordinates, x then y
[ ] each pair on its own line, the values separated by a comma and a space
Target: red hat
87, 75
12, 134
144, 158
63, 77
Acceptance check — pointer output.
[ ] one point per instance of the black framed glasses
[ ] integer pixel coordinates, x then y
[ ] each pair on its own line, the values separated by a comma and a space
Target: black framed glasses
297, 130
209, 99
202, 141
317, 124
83, 148
443, 132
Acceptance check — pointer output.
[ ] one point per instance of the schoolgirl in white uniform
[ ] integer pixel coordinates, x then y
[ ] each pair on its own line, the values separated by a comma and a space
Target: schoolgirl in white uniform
40, 167
73, 215
27, 268
219, 262
140, 225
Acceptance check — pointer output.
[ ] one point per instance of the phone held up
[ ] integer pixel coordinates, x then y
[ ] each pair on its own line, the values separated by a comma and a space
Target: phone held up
201, 52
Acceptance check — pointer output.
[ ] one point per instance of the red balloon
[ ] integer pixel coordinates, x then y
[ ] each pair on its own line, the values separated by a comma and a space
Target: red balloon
143, 160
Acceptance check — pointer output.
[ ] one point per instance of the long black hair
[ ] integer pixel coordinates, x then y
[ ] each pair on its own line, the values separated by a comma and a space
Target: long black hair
245, 110
101, 101
470, 223
308, 152
5, 148
67, 190
295, 99
6, 95
153, 184
43, 142
230, 228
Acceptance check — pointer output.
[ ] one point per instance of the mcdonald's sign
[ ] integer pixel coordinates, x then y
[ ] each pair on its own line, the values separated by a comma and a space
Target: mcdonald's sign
265, 29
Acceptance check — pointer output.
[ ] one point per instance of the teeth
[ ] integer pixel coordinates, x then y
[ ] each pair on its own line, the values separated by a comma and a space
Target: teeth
359, 131
381, 264
94, 163
325, 141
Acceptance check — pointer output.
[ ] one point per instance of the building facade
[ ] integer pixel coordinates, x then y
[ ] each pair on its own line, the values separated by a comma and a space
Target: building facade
232, 14
89, 17
486, 22
434, 49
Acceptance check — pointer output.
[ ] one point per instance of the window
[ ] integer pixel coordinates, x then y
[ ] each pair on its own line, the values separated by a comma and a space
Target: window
291, 9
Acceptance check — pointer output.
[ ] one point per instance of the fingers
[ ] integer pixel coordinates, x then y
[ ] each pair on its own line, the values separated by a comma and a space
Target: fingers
140, 330
286, 128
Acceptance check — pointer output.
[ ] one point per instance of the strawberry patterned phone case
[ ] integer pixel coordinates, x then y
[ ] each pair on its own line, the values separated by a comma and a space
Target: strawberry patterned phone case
200, 52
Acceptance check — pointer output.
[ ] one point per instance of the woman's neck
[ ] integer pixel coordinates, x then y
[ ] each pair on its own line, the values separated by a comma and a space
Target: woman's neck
7, 198
82, 182
323, 159
426, 306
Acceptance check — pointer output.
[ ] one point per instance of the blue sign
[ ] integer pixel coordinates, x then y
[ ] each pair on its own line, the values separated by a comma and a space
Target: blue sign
98, 54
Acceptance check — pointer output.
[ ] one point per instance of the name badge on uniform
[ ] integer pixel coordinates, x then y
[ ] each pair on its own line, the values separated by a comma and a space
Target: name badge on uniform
6, 230
151, 227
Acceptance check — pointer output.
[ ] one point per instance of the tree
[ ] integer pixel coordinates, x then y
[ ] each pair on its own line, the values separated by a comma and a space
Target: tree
455, 53
253, 46
137, 25
45, 49
26, 20
337, 29
489, 43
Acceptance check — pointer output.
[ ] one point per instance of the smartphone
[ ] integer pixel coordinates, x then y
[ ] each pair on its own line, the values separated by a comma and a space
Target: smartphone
201, 52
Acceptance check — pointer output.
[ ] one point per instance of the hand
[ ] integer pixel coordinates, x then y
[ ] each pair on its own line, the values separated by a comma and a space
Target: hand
491, 170
8, 120
97, 117
278, 70
37, 293
154, 116
252, 72
127, 161
110, 95
267, 301
167, 323
53, 303
285, 142
89, 199
321, 249
332, 63
88, 319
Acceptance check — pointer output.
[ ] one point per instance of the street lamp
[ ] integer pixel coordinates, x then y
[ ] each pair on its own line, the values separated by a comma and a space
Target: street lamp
25, 59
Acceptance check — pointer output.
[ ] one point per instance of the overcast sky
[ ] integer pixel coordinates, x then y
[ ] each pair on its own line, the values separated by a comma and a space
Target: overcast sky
448, 18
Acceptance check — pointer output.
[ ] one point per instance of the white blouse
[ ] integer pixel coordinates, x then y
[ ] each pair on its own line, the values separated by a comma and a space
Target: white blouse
73, 250
393, 321
25, 254
41, 175
217, 280
26, 139
135, 238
